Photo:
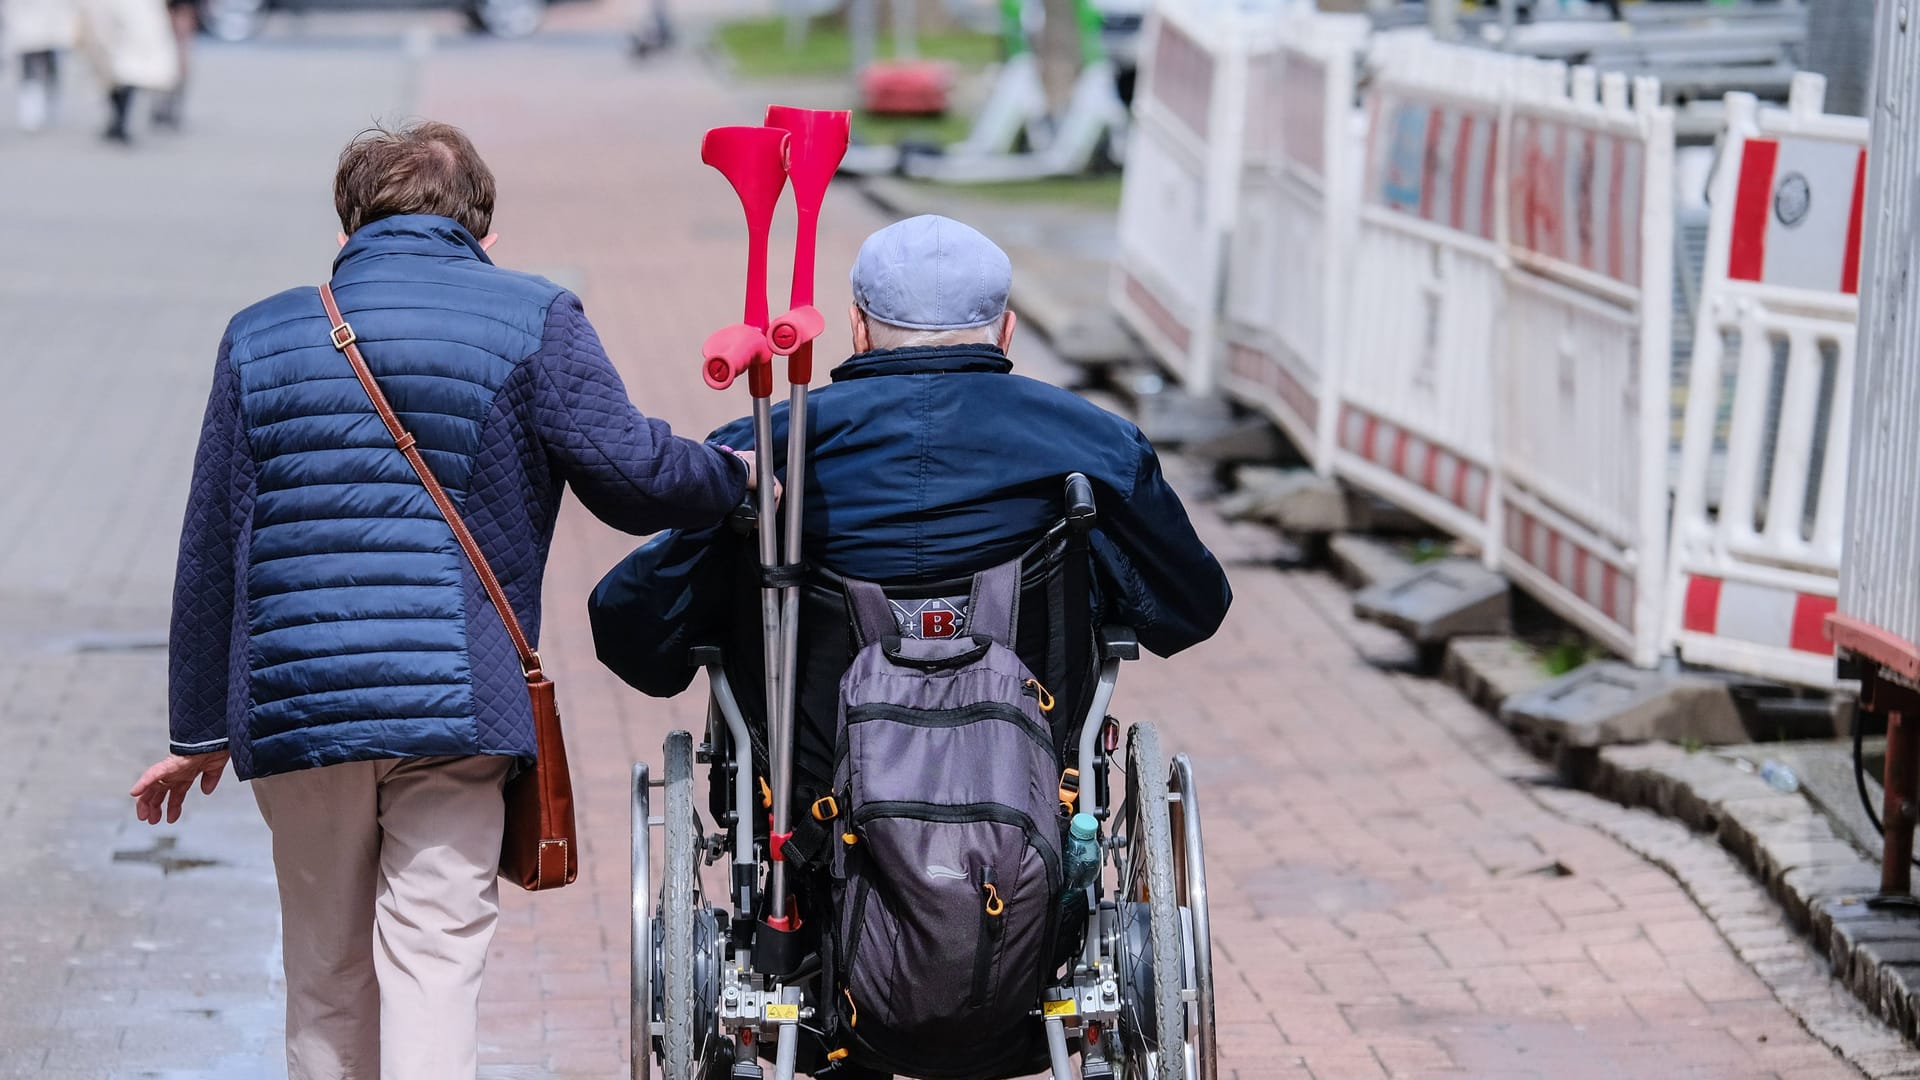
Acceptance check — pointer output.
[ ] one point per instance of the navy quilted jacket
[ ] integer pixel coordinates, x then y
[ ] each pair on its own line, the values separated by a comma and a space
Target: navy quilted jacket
323, 611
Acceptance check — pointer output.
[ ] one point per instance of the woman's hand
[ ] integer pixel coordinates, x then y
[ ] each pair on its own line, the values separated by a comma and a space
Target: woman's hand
169, 779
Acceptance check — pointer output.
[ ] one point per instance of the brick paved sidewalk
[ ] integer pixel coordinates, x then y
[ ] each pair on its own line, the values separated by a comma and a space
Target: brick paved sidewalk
1386, 900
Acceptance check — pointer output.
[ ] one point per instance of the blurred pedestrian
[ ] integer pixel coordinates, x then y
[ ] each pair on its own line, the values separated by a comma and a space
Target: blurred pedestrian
36, 31
332, 635
185, 16
131, 46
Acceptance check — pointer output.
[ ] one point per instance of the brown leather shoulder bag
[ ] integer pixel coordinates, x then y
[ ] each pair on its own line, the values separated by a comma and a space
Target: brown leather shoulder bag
539, 849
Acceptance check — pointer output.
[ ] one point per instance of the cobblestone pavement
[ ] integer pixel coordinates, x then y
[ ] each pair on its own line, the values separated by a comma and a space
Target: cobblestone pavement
1390, 897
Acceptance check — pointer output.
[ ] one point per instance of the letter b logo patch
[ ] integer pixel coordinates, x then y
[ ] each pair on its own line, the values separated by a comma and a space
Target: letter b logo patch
937, 623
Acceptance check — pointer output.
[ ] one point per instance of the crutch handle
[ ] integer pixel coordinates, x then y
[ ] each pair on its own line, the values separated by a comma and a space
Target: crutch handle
794, 329
733, 349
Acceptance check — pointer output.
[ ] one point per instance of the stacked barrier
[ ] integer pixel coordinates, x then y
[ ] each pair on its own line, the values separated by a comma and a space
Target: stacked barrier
1416, 417
1754, 577
1461, 298
1286, 290
1585, 363
1180, 189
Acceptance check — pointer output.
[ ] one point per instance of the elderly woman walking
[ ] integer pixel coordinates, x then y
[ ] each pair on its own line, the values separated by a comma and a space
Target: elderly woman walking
36, 31
132, 48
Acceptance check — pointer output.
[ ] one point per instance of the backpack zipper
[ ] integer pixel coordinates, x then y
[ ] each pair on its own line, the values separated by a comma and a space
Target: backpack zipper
940, 813
991, 909
964, 716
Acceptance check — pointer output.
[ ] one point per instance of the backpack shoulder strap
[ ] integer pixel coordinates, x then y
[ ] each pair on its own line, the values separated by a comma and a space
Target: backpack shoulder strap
868, 612
994, 609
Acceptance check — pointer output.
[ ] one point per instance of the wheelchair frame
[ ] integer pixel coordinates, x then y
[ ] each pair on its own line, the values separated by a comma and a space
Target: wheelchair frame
1137, 1001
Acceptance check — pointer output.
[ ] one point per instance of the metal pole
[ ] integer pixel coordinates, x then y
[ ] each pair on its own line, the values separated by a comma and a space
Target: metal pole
1897, 811
1443, 18
769, 558
861, 31
780, 741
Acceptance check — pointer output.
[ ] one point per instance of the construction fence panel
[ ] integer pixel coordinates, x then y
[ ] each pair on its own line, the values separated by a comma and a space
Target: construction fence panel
1422, 322
1879, 586
1583, 406
1181, 182
1755, 557
1288, 260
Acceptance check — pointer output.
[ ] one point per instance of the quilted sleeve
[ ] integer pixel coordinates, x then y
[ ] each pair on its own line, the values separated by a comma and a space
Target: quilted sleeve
219, 504
633, 472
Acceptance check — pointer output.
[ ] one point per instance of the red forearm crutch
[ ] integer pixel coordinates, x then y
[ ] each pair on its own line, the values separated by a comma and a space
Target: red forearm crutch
808, 145
754, 161
818, 140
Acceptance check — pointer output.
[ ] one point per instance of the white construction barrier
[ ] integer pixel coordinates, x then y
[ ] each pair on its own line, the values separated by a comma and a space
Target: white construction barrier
1583, 407
1181, 181
1753, 578
1423, 327
1288, 262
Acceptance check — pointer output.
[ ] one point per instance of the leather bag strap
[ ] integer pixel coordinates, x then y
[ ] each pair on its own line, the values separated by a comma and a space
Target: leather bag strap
403, 440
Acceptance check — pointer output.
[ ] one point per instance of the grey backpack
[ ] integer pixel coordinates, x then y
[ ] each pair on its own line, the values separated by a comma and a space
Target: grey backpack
947, 877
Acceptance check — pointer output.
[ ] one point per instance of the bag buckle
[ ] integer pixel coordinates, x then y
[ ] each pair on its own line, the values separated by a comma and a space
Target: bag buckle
1069, 788
343, 336
826, 812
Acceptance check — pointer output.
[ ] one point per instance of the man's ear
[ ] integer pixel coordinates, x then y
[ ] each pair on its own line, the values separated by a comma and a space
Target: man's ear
342, 237
1006, 332
486, 242
857, 322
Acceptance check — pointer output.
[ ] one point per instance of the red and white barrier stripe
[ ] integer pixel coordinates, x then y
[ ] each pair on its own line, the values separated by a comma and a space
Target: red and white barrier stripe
1176, 332
1433, 467
1262, 369
1435, 162
1576, 196
1572, 565
1797, 214
1758, 614
1182, 78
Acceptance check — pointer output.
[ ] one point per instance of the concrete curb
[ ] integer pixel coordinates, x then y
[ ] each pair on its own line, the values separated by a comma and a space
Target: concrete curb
1796, 856
1819, 878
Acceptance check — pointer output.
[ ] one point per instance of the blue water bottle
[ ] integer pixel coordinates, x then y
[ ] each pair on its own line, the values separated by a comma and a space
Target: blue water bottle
1081, 859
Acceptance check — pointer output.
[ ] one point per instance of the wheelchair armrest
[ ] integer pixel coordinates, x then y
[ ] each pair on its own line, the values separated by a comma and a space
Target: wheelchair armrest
1119, 643
702, 656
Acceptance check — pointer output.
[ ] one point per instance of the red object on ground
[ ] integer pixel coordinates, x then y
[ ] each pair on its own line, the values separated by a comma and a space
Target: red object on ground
905, 87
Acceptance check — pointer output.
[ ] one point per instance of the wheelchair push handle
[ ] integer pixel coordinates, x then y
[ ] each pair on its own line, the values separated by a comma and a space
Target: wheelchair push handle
1081, 513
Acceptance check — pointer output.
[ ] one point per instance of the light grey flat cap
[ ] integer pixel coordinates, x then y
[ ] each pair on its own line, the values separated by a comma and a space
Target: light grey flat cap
931, 273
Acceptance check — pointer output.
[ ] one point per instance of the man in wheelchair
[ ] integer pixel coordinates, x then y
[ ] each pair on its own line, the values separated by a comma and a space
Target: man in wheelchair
929, 462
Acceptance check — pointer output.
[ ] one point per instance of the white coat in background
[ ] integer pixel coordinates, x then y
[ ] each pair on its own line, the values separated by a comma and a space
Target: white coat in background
130, 42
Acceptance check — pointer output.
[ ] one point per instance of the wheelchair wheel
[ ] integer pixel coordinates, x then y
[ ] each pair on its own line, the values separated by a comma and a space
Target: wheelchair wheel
1191, 880
1153, 959
640, 1025
689, 937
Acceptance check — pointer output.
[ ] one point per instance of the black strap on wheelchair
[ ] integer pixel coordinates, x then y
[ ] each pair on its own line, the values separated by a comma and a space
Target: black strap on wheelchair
812, 838
784, 576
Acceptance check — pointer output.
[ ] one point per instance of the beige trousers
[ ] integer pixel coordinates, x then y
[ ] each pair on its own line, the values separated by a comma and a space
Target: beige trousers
388, 900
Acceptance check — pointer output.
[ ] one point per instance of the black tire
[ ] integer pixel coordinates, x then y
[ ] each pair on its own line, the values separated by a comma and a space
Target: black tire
679, 902
1149, 878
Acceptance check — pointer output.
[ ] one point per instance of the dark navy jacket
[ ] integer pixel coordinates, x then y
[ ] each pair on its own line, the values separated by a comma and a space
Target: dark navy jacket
323, 611
927, 463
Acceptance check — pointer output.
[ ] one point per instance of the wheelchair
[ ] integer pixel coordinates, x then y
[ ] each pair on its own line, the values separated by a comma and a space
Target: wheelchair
1132, 996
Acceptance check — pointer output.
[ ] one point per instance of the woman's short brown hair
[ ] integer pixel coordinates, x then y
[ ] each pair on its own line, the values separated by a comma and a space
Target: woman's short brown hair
422, 168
